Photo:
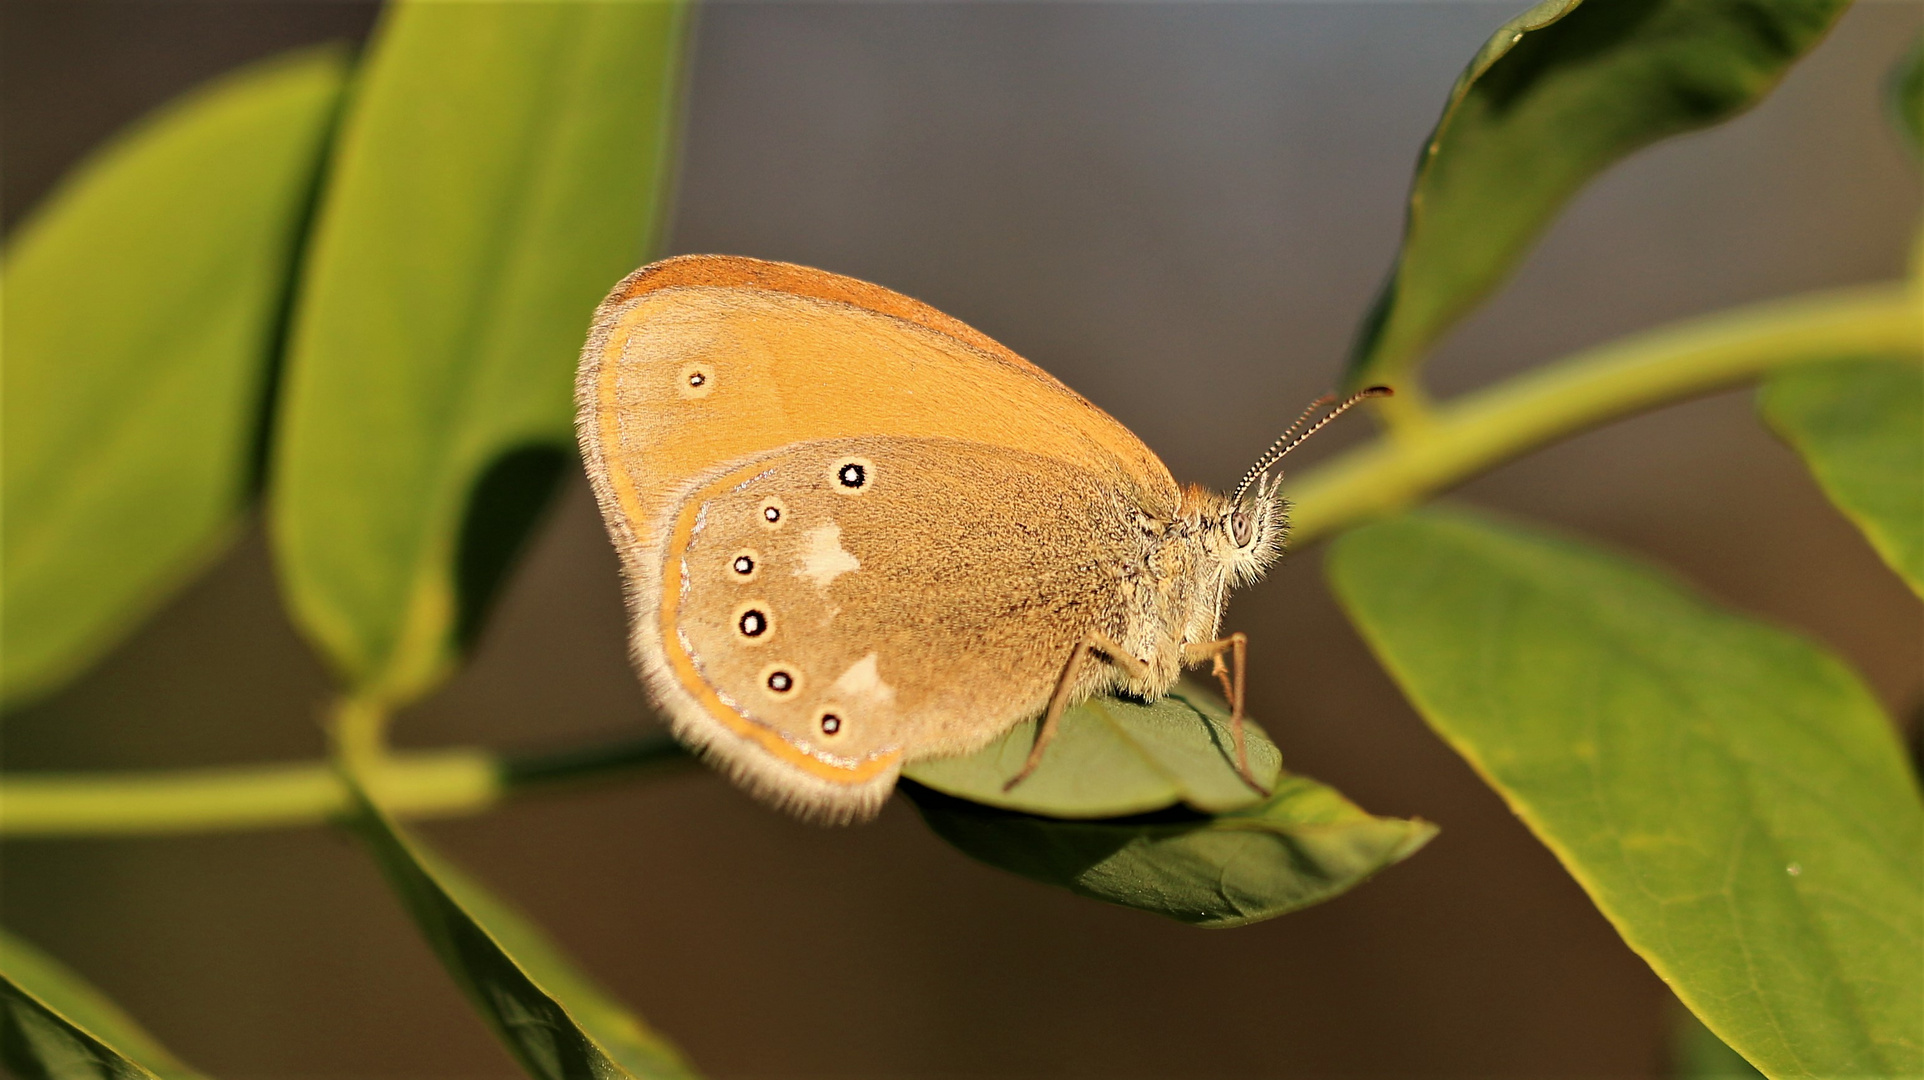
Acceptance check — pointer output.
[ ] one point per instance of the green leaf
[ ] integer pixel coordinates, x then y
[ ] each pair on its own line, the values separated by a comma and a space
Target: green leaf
1555, 96
1112, 757
1860, 427
1907, 96
143, 309
502, 166
553, 1019
56, 1026
1729, 794
1301, 846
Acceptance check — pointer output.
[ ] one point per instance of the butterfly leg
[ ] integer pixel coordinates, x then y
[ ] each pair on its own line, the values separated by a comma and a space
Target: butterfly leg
1096, 644
1237, 646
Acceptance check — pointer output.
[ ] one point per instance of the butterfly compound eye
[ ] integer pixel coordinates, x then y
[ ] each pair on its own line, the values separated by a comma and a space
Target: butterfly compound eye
1240, 529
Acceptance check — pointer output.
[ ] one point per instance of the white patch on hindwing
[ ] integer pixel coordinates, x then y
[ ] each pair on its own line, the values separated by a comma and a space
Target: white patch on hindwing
825, 559
864, 679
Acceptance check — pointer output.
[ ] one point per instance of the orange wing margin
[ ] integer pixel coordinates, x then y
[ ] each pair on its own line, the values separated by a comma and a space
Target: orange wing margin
733, 271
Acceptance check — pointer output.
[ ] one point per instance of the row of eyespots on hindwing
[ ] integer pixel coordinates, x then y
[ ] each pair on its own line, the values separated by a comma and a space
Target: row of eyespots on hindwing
754, 620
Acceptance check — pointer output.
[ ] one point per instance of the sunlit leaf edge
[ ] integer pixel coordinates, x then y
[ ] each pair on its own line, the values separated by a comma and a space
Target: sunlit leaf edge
70, 1008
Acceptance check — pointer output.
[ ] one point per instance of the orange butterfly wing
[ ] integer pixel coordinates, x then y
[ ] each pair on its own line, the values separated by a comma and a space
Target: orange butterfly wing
697, 364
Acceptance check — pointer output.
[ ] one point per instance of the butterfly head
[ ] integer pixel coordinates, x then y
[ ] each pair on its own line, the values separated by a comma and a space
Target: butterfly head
1242, 533
1240, 536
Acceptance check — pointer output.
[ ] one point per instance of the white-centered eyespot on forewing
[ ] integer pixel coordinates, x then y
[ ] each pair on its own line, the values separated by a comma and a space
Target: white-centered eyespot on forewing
864, 679
825, 559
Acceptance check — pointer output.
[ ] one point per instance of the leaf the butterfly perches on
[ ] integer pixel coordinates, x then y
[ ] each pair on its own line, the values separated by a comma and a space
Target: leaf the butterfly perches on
1140, 805
858, 534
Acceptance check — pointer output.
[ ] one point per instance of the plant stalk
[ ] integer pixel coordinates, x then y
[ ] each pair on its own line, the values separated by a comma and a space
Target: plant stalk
440, 783
1436, 449
1481, 430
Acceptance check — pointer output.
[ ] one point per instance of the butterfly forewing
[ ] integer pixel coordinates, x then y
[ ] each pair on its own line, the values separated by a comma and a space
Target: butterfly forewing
682, 378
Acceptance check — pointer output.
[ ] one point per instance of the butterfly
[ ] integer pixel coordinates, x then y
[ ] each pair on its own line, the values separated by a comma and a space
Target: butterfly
856, 533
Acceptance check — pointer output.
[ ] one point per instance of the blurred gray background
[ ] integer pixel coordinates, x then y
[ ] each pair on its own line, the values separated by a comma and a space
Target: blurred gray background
1179, 209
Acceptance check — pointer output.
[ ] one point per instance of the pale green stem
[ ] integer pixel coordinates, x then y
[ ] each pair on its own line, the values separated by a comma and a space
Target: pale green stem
1443, 447
359, 735
253, 797
1476, 432
441, 783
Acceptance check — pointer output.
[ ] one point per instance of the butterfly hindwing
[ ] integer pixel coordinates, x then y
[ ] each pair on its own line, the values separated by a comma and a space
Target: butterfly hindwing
842, 607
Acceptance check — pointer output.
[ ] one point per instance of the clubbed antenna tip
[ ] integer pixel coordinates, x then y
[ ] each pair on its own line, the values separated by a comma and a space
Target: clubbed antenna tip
1290, 439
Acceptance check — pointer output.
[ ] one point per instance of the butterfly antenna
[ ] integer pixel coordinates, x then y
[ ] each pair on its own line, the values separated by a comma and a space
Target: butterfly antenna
1266, 460
1290, 439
